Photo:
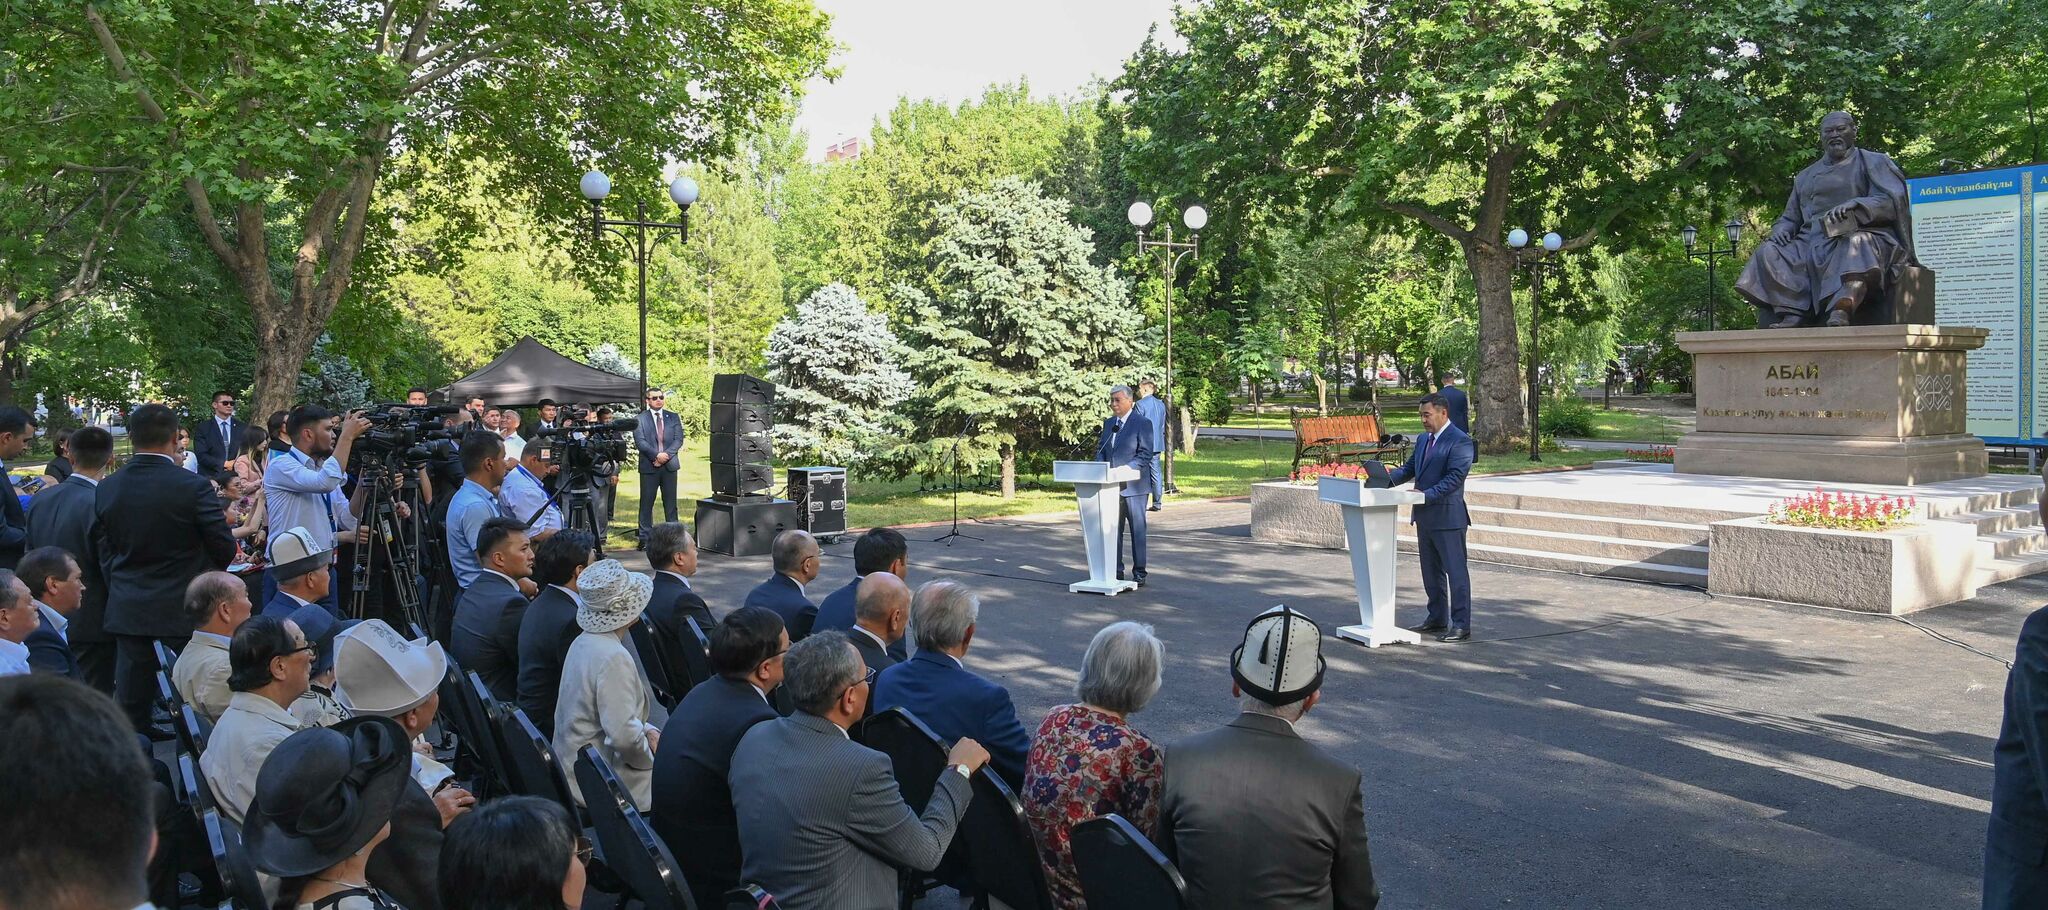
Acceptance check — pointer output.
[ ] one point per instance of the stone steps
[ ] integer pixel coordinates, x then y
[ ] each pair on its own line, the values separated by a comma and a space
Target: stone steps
1603, 566
1637, 529
1994, 520
1991, 571
1636, 511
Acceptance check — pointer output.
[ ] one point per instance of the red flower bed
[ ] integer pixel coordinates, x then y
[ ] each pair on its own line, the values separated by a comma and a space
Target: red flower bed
1843, 511
1308, 474
1658, 454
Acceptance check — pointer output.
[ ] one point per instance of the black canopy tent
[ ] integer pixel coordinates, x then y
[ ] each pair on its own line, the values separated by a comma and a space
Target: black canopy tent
530, 371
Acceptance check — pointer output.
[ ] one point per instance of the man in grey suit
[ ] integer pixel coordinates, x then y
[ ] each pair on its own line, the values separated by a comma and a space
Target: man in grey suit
659, 440
1294, 836
822, 823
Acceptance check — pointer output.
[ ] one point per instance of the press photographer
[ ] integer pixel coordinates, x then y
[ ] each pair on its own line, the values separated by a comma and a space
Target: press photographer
302, 484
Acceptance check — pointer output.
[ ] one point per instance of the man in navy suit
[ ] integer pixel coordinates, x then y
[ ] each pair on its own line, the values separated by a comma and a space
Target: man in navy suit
1438, 465
1456, 402
878, 550
216, 441
692, 801
1153, 410
1127, 442
659, 440
673, 554
936, 685
484, 635
796, 565
2014, 876
63, 517
56, 585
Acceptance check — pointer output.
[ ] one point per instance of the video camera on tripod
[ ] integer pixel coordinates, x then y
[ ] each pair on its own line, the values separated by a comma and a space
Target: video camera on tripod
583, 451
409, 435
386, 463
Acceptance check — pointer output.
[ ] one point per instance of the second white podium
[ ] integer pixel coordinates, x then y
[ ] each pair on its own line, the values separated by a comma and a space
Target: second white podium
1097, 487
1369, 515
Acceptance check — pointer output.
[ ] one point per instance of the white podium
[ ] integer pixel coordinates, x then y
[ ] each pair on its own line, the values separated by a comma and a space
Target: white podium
1097, 487
1369, 515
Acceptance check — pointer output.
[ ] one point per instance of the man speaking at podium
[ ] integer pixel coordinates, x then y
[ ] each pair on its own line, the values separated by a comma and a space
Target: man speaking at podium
1127, 443
1438, 465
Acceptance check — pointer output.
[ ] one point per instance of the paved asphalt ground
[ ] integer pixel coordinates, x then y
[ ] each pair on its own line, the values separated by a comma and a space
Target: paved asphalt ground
1600, 744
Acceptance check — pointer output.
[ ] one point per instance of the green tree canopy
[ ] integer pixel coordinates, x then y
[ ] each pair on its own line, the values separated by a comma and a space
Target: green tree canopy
839, 376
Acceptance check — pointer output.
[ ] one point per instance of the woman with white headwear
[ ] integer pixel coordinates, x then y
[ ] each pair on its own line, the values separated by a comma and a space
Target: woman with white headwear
605, 698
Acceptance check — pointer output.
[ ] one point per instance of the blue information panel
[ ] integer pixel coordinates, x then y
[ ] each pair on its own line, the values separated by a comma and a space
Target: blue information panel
1985, 235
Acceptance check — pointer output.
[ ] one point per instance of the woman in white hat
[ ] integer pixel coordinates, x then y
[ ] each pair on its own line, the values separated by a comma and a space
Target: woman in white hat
605, 698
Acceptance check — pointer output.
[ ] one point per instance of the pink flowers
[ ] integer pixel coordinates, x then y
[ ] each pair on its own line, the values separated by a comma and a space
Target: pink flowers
1843, 511
1307, 474
1659, 454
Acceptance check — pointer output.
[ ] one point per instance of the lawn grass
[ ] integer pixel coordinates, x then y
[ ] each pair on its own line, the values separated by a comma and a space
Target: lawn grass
1620, 424
1219, 468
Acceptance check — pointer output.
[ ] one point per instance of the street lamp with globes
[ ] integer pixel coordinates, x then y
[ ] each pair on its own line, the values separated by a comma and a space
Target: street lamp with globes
683, 192
1536, 263
1690, 236
1171, 252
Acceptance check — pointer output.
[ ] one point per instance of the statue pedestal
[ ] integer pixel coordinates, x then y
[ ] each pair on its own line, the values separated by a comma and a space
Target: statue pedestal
1859, 404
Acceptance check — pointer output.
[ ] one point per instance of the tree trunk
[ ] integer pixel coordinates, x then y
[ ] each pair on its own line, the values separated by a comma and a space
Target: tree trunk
1372, 388
1501, 413
1187, 431
1009, 470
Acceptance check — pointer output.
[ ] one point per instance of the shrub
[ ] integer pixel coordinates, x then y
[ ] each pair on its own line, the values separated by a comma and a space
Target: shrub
1570, 417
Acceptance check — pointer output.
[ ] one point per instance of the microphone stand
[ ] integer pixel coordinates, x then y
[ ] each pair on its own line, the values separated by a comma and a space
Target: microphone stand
947, 538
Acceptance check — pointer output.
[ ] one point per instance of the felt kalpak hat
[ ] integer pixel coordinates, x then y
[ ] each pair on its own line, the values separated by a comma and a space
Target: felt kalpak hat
377, 671
1280, 661
613, 596
294, 553
323, 794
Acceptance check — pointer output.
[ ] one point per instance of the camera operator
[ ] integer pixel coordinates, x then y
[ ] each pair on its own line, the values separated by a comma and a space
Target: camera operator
524, 491
302, 485
604, 482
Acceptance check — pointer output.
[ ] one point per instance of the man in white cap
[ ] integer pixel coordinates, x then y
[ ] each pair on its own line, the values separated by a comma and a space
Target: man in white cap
1297, 838
377, 671
298, 562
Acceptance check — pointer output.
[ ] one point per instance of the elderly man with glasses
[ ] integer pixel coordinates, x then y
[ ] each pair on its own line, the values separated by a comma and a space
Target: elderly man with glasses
659, 438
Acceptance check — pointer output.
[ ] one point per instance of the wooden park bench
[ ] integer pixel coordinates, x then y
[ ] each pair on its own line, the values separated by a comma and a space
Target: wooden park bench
1345, 438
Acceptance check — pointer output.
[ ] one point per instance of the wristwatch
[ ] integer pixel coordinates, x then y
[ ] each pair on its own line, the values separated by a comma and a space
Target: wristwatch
964, 773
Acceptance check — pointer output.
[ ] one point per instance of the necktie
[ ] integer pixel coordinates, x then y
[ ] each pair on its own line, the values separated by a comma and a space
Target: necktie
1428, 441
660, 439
227, 439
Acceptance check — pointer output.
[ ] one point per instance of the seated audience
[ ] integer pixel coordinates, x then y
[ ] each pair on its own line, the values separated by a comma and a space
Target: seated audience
878, 550
218, 604
269, 666
516, 853
299, 565
548, 627
79, 823
378, 672
324, 809
1297, 838
881, 614
317, 706
525, 492
936, 685
1087, 760
822, 822
485, 637
56, 586
796, 564
63, 517
673, 554
605, 697
692, 803
18, 620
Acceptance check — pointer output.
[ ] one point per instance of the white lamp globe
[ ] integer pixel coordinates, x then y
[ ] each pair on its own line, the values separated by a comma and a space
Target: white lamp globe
1552, 242
596, 186
1196, 217
1140, 214
683, 190
1518, 238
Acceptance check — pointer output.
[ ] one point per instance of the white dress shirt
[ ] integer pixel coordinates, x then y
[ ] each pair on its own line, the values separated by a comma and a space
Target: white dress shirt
523, 495
13, 658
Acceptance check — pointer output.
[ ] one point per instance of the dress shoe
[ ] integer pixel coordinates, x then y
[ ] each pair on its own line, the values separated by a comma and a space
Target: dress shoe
1428, 628
1153, 509
1141, 581
1838, 318
1456, 635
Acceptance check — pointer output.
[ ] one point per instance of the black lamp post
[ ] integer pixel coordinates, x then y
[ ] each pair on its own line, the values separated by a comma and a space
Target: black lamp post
1691, 236
1170, 255
596, 186
1536, 261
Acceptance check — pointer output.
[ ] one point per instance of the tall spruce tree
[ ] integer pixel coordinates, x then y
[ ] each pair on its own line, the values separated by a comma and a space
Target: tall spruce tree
839, 370
1014, 351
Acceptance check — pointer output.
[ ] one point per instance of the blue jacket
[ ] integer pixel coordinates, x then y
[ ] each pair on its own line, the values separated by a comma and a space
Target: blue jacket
955, 702
1459, 407
281, 605
836, 612
692, 801
2014, 876
1441, 479
1154, 412
1131, 447
781, 594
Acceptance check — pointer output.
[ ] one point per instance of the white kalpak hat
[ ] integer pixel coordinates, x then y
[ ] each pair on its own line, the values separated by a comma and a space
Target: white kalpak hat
1280, 661
377, 671
613, 596
295, 553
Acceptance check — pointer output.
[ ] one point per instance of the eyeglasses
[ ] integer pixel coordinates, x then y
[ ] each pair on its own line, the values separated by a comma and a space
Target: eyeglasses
868, 678
308, 648
585, 850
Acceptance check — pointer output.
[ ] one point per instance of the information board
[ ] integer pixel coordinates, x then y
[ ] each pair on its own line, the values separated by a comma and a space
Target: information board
1985, 235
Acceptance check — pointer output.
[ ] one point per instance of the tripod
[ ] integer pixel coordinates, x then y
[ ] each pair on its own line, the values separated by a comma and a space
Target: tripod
579, 509
958, 439
391, 555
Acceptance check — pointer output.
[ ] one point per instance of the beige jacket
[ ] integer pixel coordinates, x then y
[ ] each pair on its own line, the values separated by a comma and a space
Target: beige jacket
604, 702
251, 727
201, 675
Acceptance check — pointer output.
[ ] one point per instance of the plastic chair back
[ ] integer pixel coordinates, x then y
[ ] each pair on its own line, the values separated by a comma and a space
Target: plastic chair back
630, 847
1119, 867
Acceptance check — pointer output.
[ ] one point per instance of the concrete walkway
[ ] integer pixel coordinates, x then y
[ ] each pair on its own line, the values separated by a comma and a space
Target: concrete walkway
1601, 744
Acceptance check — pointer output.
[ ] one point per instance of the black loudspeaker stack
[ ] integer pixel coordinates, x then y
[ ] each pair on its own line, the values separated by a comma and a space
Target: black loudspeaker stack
741, 517
820, 497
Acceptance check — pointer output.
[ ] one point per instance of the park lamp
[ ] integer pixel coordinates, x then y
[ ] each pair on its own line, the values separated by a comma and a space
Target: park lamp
1735, 227
1691, 236
1195, 217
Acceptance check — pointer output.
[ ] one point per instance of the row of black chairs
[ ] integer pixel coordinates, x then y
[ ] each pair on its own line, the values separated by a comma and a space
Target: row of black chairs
227, 875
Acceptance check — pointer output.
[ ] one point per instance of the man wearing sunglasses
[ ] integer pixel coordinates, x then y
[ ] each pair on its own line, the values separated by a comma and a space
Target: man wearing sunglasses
215, 440
659, 437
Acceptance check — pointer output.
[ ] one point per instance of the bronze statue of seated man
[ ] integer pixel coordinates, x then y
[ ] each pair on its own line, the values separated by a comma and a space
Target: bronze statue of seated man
1846, 229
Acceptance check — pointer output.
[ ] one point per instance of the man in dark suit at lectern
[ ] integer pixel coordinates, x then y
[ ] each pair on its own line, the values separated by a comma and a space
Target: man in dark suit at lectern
1127, 442
1442, 456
